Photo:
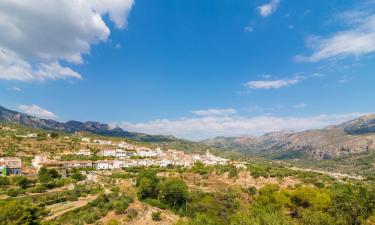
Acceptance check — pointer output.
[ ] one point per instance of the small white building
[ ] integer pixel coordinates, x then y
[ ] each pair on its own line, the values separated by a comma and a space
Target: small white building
108, 152
120, 153
105, 164
85, 152
102, 142
78, 164
165, 162
86, 139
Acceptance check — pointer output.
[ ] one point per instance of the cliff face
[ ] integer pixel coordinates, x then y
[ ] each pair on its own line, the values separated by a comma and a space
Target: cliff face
354, 136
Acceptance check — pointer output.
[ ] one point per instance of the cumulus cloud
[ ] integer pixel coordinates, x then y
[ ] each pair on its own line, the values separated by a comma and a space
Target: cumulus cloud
215, 112
358, 39
36, 35
269, 8
197, 128
35, 110
272, 84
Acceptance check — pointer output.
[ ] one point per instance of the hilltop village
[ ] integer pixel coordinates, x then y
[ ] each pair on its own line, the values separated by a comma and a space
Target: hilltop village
101, 154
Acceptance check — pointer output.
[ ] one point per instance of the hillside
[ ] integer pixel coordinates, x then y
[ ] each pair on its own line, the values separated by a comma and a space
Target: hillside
7, 115
355, 136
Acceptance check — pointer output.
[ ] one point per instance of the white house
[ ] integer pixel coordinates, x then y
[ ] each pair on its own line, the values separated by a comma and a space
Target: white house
108, 152
102, 142
86, 139
165, 162
120, 153
85, 152
78, 164
105, 164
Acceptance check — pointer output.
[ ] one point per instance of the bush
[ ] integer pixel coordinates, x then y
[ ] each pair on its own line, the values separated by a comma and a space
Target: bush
113, 222
78, 176
21, 181
156, 203
40, 188
174, 192
4, 181
13, 192
199, 168
147, 183
131, 214
47, 175
121, 204
156, 216
19, 212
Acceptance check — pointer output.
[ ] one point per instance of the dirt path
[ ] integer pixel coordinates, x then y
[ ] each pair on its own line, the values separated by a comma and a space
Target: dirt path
61, 208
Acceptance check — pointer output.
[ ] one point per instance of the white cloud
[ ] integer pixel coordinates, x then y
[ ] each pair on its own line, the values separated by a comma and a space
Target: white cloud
357, 40
248, 29
300, 106
345, 79
198, 128
36, 35
267, 9
15, 89
272, 84
264, 109
215, 112
37, 111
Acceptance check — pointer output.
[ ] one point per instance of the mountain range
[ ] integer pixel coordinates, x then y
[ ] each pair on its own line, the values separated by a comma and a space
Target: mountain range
7, 115
355, 136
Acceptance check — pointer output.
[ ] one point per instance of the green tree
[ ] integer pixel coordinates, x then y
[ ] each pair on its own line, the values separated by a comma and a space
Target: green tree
47, 175
315, 217
147, 183
174, 192
21, 181
78, 176
16, 212
351, 203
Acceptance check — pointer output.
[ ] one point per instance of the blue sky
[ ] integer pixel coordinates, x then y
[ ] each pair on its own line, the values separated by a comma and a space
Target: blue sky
194, 69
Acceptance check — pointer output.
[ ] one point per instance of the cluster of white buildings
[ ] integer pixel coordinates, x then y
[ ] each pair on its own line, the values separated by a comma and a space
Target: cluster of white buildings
125, 155
31, 135
123, 159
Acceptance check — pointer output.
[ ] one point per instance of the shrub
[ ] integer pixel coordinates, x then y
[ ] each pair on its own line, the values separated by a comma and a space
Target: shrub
13, 192
19, 212
174, 192
21, 181
156, 203
78, 176
113, 222
131, 214
4, 181
156, 216
39, 188
147, 183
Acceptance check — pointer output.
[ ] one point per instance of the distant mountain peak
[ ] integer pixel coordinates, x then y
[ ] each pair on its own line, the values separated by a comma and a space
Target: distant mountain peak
71, 126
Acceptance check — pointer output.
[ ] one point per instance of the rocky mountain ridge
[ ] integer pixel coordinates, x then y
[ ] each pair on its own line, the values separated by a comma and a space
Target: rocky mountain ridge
355, 136
7, 115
